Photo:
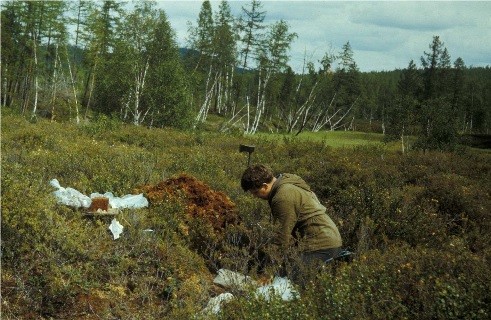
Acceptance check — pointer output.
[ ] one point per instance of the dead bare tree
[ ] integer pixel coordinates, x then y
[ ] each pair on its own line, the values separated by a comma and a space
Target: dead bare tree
294, 116
229, 124
209, 94
325, 117
335, 125
261, 100
72, 81
322, 118
54, 87
36, 83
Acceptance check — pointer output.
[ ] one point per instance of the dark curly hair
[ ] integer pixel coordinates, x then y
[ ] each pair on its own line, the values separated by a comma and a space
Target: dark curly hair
254, 177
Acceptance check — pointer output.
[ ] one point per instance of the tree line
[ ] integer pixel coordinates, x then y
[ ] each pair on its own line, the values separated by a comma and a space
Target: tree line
79, 60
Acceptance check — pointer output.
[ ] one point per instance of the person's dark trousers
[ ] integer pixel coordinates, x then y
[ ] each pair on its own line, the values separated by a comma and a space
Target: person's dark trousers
310, 261
324, 255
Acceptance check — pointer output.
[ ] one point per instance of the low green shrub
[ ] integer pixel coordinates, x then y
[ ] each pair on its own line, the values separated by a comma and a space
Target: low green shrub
406, 283
419, 224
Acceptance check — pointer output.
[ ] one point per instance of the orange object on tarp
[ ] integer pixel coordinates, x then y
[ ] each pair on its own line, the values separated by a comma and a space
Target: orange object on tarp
99, 203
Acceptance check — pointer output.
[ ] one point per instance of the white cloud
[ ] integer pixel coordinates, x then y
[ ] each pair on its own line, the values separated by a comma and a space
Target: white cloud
383, 35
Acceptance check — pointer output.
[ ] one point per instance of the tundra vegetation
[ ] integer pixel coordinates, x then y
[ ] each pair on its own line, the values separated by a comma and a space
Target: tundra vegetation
419, 224
114, 105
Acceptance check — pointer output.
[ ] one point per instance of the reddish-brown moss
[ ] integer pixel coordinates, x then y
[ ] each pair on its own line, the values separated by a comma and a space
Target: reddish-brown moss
200, 200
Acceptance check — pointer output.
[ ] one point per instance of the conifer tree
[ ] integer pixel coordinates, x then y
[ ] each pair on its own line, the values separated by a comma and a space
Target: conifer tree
438, 124
168, 93
431, 62
410, 81
201, 37
250, 29
102, 23
31, 30
347, 80
400, 117
225, 49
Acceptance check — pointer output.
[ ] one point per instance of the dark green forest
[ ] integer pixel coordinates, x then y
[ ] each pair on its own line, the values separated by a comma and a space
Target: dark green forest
78, 60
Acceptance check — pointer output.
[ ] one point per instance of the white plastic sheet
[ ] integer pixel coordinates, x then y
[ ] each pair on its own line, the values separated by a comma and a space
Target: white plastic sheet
129, 201
74, 198
69, 196
116, 228
215, 304
281, 287
230, 279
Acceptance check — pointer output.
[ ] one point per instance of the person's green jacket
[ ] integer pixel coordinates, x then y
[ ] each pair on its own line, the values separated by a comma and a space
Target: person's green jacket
300, 215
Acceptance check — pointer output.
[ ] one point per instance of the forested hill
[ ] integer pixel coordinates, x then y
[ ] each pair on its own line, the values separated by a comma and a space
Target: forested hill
79, 60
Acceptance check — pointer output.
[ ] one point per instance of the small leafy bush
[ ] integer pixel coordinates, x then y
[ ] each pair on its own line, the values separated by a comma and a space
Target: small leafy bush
406, 283
419, 224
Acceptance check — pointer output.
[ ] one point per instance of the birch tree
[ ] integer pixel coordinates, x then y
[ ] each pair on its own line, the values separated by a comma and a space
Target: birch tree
133, 55
101, 30
204, 73
273, 58
226, 51
30, 32
81, 37
145, 82
297, 99
214, 39
320, 108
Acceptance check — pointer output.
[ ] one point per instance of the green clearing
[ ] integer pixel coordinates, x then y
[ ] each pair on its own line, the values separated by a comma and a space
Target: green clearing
335, 139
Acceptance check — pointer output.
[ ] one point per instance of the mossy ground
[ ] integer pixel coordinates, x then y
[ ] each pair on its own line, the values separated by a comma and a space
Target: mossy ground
419, 223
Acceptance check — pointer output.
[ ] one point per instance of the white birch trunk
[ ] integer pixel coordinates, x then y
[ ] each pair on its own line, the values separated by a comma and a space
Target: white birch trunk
304, 109
324, 115
139, 86
248, 116
335, 125
203, 111
261, 103
77, 117
219, 93
34, 110
55, 87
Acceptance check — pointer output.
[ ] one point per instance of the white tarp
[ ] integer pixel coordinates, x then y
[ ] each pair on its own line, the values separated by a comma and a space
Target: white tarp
215, 304
69, 196
280, 286
116, 228
74, 198
231, 279
129, 201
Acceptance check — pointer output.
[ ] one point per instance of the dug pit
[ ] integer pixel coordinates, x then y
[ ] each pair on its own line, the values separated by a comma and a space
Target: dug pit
201, 202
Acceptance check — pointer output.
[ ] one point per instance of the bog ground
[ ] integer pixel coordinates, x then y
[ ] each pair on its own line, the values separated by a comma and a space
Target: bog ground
419, 223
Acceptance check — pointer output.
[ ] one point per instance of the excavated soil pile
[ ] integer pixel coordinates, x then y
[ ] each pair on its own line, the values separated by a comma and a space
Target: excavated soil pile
200, 200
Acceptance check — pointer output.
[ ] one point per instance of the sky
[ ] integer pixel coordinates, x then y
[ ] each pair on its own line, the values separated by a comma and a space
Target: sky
384, 35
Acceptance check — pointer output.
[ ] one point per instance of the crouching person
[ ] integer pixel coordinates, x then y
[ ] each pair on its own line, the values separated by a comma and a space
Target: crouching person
302, 220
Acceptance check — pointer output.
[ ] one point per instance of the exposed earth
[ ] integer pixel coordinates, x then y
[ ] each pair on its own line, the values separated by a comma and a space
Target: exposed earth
200, 200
